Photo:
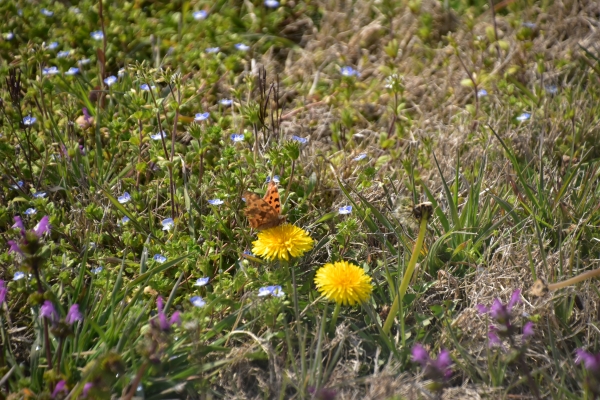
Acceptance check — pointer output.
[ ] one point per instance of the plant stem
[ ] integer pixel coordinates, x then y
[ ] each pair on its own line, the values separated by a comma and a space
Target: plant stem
295, 293
334, 318
407, 274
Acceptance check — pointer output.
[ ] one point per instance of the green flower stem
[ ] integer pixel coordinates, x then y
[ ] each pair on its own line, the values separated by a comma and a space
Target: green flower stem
334, 318
407, 275
285, 264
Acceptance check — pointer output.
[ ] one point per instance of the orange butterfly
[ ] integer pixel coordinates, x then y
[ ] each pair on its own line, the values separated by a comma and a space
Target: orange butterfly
264, 213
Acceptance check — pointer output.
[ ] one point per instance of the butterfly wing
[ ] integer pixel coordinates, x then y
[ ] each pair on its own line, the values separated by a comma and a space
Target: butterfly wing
263, 213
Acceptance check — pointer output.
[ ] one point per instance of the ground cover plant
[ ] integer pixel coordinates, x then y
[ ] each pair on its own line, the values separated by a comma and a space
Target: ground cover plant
303, 200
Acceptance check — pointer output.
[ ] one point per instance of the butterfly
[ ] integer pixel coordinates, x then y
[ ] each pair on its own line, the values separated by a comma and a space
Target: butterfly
264, 213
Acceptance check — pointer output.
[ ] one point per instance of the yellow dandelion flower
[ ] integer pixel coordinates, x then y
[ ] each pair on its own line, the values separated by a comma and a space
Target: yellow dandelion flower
343, 282
282, 242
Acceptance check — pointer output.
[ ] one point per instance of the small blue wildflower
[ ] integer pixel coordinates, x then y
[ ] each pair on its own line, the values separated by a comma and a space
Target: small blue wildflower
50, 71
237, 137
124, 220
167, 224
30, 211
300, 139
201, 116
39, 195
551, 89
110, 80
275, 179
523, 117
29, 120
361, 156
72, 71
125, 198
482, 93
18, 275
84, 61
146, 87
226, 102
215, 202
197, 301
97, 35
345, 210
242, 47
63, 54
202, 281
158, 136
97, 270
248, 253
9, 36
210, 50
349, 71
274, 291
47, 13
52, 46
530, 25
159, 258
272, 3
200, 15
18, 185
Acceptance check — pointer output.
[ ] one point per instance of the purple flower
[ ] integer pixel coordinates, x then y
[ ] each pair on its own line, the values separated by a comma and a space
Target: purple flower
48, 311
61, 386
3, 291
528, 330
73, 315
322, 394
165, 324
590, 361
42, 227
19, 224
493, 338
14, 247
86, 389
438, 369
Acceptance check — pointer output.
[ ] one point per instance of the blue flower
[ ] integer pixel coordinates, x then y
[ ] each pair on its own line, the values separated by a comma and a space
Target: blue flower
275, 179
125, 220
18, 275
482, 93
272, 3
197, 301
201, 116
274, 291
215, 202
30, 211
72, 71
361, 156
39, 195
9, 36
242, 47
19, 183
212, 50
50, 71
345, 210
530, 25
110, 80
63, 54
146, 87
97, 270
349, 71
200, 15
52, 45
125, 198
159, 258
523, 117
158, 136
226, 102
167, 224
97, 35
29, 120
551, 89
300, 139
47, 13
202, 281
237, 137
